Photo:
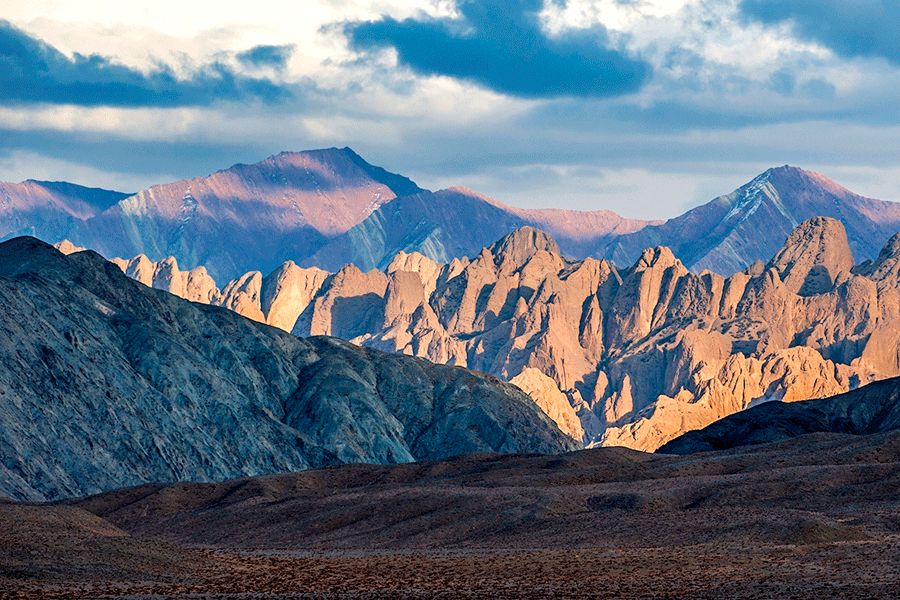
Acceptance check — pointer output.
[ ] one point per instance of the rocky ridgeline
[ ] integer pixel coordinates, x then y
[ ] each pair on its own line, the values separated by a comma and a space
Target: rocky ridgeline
629, 357
107, 383
749, 224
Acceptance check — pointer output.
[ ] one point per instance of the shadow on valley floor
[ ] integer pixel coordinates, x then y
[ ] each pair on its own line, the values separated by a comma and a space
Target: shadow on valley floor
813, 517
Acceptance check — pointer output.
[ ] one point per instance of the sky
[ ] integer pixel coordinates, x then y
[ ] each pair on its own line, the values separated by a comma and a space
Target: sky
645, 107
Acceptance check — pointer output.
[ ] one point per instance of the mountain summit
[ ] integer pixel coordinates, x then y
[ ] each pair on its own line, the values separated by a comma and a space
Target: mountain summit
518, 247
813, 256
247, 216
751, 223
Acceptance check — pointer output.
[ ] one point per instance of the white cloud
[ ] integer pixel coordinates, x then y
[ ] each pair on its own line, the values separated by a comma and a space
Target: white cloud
138, 33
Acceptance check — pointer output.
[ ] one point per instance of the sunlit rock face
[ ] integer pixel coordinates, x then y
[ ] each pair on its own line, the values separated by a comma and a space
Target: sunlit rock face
868, 410
640, 354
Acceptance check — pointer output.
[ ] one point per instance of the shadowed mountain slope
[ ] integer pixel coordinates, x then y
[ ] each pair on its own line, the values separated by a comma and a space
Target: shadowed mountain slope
874, 408
458, 222
105, 382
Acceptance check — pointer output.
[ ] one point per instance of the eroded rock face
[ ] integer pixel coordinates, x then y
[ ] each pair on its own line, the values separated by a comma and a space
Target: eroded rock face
872, 409
813, 256
641, 354
277, 299
107, 383
547, 396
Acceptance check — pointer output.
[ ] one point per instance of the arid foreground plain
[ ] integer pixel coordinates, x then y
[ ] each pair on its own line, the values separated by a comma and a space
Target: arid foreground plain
816, 516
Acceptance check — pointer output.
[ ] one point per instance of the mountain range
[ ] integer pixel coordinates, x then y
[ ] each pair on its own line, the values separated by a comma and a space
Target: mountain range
733, 231
326, 208
769, 392
630, 350
631, 356
107, 383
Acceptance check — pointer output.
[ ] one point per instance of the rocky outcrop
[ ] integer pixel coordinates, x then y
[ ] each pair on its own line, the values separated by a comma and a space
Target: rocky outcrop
287, 292
107, 383
67, 247
874, 408
805, 326
641, 354
553, 402
195, 285
813, 256
277, 299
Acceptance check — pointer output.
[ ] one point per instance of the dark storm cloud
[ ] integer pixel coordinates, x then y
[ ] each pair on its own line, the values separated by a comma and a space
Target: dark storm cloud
266, 56
850, 28
132, 157
501, 46
32, 71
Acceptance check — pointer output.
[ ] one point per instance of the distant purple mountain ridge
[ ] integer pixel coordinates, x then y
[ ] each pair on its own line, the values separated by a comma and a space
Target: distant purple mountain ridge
459, 222
751, 223
247, 216
50, 209
329, 207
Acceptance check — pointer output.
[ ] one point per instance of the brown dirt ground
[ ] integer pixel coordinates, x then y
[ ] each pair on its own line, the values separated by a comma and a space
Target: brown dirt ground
817, 517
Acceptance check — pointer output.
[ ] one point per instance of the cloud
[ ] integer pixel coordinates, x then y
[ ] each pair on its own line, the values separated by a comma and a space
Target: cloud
728, 97
266, 56
862, 28
32, 71
502, 46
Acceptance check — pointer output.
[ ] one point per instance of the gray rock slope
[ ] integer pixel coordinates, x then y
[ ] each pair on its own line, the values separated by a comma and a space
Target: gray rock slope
107, 383
874, 408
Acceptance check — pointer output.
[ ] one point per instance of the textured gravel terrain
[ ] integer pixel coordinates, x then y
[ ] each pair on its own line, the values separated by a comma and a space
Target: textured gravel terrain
814, 517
